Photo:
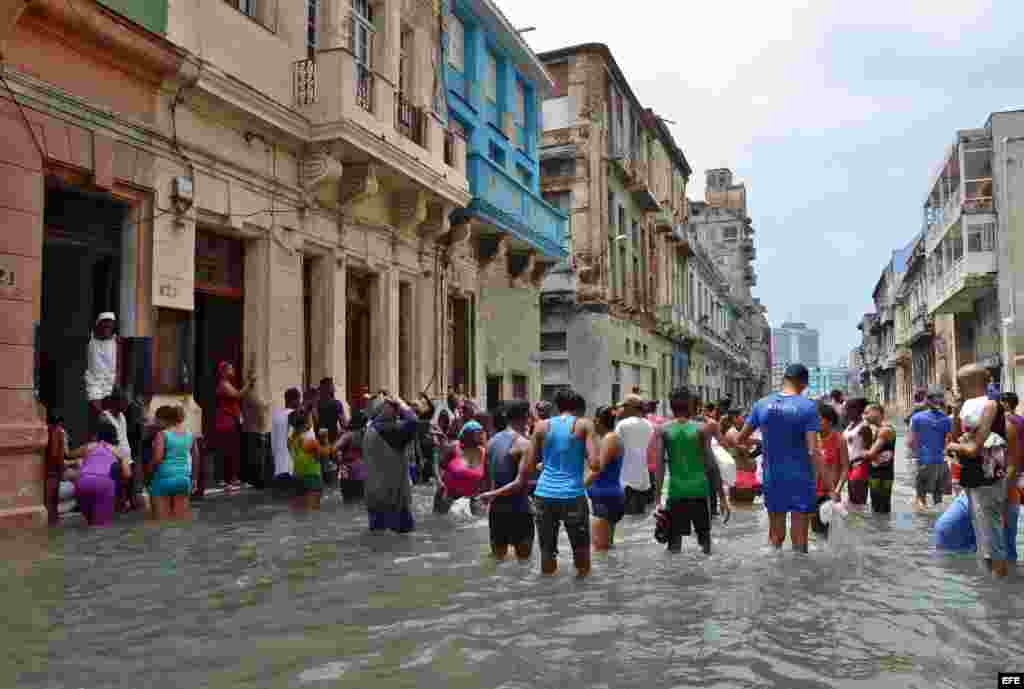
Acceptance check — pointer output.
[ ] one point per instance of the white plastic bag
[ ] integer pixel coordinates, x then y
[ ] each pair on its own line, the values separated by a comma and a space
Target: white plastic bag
462, 509
726, 466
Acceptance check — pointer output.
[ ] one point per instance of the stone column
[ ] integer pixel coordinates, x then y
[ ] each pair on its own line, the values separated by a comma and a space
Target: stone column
256, 321
285, 327
22, 431
385, 330
337, 340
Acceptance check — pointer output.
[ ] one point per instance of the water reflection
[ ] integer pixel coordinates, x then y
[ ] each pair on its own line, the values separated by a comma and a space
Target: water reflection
254, 595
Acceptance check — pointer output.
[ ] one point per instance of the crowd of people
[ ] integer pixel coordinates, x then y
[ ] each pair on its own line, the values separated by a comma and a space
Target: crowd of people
535, 469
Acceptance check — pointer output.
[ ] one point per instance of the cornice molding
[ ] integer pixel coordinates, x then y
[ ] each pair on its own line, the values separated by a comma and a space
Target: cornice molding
237, 93
393, 157
140, 49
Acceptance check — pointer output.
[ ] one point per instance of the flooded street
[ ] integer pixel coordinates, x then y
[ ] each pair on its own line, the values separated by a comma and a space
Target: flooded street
252, 595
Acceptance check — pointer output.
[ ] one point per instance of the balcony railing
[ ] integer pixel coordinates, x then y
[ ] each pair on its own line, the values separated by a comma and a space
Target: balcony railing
449, 148
409, 120
515, 207
364, 88
951, 281
304, 82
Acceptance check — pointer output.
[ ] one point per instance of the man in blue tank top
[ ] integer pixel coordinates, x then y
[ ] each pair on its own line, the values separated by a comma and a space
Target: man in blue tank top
510, 519
566, 445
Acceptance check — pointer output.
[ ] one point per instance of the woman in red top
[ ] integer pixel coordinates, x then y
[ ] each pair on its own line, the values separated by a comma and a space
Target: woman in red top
227, 431
834, 467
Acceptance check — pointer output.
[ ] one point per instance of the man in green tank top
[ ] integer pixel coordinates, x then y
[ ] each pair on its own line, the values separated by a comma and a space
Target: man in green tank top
693, 475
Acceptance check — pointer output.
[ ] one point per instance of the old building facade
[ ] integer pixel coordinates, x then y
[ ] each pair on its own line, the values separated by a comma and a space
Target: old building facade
640, 305
82, 150
496, 88
954, 303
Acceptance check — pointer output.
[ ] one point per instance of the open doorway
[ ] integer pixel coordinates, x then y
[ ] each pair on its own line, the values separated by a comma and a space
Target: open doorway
460, 345
81, 277
219, 312
358, 289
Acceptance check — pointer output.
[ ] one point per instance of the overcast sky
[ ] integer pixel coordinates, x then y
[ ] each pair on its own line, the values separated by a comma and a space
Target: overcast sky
833, 113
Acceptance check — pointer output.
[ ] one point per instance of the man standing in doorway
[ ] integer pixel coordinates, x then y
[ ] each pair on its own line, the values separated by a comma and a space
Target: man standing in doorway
102, 364
636, 433
789, 426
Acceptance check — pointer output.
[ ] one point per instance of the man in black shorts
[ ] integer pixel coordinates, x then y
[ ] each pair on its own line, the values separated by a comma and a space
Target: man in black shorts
510, 517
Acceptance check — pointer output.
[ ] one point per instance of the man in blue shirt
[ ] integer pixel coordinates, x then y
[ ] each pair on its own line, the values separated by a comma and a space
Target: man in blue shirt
789, 425
930, 432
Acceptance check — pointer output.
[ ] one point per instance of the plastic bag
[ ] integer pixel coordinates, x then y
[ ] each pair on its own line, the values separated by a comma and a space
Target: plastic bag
726, 466
840, 534
462, 509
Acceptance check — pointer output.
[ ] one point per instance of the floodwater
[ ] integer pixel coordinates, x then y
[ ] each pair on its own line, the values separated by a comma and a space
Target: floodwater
252, 595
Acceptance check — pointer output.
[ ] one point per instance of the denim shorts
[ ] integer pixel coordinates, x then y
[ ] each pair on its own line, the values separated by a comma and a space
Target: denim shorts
988, 505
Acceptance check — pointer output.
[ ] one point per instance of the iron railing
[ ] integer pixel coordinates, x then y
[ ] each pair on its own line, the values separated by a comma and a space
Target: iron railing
364, 88
304, 81
449, 148
409, 120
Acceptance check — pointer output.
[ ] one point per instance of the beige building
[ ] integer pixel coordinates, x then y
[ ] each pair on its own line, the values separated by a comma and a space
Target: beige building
310, 198
612, 318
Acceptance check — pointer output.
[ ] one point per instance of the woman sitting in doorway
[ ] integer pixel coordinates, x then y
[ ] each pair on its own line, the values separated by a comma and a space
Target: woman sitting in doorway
102, 461
170, 470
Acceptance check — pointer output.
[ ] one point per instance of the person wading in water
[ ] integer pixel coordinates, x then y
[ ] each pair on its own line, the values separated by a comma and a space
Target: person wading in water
388, 487
693, 475
789, 426
983, 466
566, 444
882, 459
604, 481
510, 518
859, 437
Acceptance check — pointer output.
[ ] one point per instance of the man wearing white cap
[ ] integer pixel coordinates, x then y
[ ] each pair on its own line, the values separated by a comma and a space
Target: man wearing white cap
102, 366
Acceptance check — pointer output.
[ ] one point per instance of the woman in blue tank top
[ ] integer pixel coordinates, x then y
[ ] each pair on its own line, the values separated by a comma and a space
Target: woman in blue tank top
607, 497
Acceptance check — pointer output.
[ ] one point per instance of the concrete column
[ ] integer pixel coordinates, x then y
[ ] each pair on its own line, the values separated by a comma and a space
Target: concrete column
285, 326
321, 330
385, 330
22, 432
256, 319
337, 340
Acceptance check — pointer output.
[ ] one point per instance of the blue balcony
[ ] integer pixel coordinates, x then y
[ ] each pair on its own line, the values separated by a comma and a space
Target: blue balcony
503, 201
458, 84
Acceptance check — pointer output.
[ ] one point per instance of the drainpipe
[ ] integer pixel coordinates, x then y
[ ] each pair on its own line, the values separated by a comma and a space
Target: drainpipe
1009, 322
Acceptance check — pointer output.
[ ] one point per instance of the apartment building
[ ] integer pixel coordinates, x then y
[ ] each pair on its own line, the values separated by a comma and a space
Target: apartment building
640, 305
956, 302
609, 322
82, 157
496, 88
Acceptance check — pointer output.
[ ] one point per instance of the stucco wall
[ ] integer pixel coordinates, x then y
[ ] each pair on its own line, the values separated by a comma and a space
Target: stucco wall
510, 333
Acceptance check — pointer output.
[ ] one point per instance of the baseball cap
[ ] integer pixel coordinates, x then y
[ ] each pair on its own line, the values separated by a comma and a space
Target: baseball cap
798, 373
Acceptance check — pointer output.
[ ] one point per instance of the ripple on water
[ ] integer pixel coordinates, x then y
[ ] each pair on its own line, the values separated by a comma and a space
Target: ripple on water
252, 594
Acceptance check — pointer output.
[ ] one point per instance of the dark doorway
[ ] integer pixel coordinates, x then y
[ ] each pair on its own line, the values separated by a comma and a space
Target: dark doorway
82, 246
218, 338
494, 385
357, 337
219, 315
460, 345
